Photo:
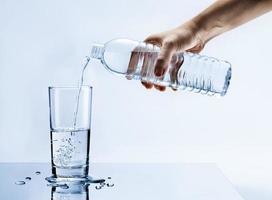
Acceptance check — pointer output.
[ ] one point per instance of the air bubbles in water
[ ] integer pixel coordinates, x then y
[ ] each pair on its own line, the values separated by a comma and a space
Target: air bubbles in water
20, 182
28, 178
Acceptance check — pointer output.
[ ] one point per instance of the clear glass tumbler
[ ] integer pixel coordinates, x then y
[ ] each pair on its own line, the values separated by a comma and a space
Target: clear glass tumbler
70, 119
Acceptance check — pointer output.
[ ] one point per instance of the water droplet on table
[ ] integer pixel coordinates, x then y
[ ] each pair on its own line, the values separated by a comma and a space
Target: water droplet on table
37, 172
20, 182
98, 187
28, 178
110, 184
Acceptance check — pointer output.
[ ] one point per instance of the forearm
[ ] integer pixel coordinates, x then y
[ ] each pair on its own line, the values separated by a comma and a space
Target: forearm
225, 15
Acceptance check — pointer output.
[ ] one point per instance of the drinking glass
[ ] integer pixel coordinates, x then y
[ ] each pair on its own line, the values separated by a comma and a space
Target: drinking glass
70, 119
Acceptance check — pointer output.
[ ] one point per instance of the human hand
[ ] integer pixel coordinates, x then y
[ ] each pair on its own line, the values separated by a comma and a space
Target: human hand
184, 38
218, 18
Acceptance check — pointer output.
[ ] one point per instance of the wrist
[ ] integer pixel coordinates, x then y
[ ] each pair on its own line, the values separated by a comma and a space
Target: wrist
197, 32
207, 27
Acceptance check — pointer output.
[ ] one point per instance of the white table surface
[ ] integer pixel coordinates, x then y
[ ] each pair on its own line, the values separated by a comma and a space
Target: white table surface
131, 181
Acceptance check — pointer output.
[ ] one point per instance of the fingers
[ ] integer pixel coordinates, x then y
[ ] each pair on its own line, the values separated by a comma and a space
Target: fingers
134, 58
147, 85
164, 59
145, 71
160, 88
148, 64
177, 40
154, 39
196, 49
176, 64
148, 70
160, 64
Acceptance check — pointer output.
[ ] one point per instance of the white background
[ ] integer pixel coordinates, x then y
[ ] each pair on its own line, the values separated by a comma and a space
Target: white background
43, 43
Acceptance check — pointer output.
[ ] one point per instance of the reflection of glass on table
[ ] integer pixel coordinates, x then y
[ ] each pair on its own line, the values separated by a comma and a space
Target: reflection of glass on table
71, 192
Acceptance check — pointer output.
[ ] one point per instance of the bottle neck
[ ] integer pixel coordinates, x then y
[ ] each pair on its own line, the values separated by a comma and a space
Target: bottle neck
97, 51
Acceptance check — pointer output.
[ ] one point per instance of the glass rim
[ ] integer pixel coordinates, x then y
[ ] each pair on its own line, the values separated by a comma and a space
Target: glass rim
69, 87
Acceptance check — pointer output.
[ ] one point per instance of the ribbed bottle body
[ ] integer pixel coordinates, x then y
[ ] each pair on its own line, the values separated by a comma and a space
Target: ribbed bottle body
194, 72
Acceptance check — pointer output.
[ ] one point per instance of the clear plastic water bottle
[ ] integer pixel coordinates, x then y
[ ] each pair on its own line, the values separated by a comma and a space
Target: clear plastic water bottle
136, 60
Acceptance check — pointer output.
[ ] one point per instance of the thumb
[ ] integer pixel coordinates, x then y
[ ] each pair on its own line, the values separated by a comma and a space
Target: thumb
164, 58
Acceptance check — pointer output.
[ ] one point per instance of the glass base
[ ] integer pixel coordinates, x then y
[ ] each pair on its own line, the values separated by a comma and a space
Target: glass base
69, 175
73, 180
70, 172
